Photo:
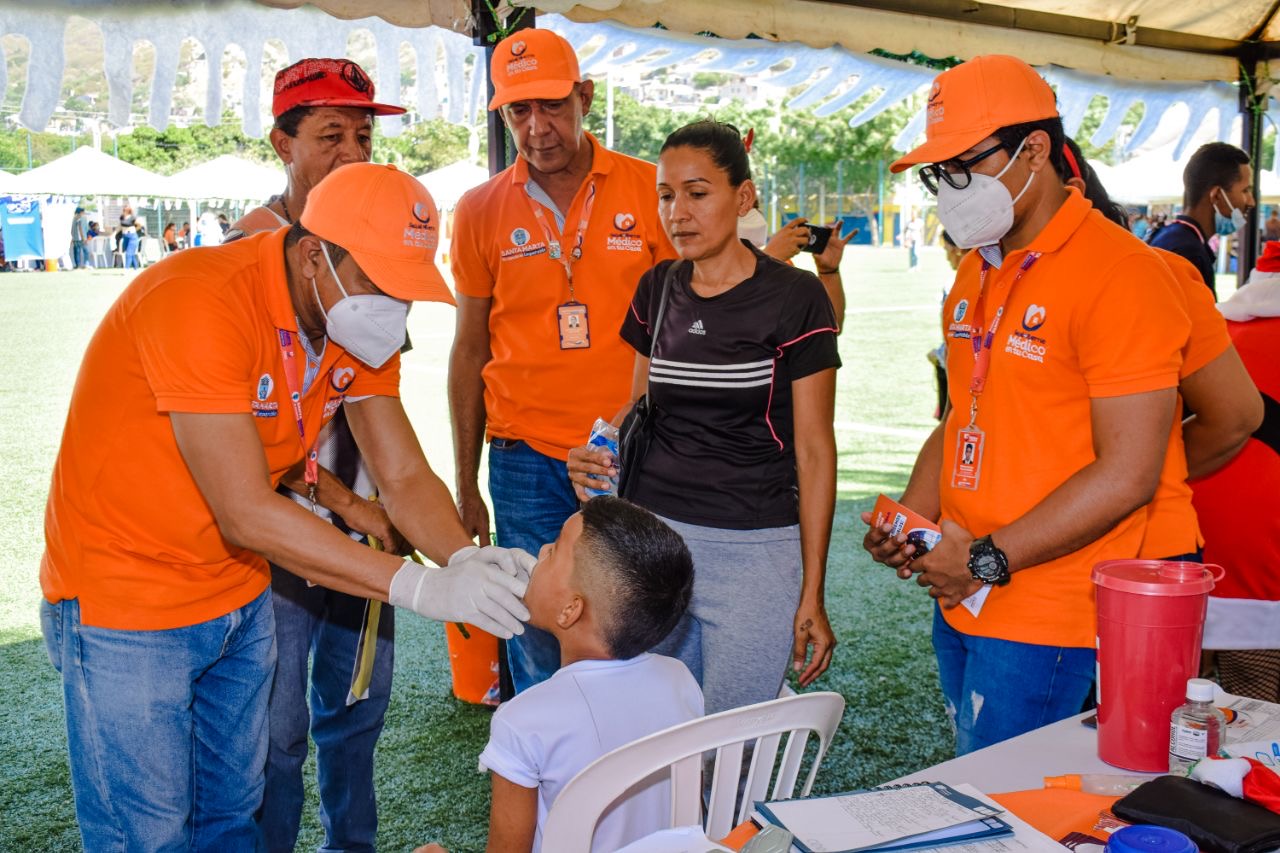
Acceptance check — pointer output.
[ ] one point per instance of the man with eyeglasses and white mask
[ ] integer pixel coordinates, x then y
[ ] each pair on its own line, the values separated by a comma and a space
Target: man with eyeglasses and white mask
1063, 335
210, 377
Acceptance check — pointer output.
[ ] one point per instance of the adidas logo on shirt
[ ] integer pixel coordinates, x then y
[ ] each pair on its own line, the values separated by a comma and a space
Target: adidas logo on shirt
697, 329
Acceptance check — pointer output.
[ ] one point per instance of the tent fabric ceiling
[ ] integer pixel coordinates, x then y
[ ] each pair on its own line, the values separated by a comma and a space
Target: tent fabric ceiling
862, 29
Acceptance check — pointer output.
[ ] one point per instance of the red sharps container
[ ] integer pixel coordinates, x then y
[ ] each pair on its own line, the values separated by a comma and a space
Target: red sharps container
1150, 621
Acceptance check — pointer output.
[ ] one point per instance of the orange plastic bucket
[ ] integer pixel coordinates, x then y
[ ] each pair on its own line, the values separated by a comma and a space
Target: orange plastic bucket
473, 660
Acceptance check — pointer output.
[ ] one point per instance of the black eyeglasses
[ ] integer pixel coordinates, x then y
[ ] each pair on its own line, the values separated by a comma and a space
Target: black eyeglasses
954, 172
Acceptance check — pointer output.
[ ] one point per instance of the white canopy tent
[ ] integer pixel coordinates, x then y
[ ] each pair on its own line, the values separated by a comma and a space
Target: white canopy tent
1135, 39
448, 183
87, 171
227, 177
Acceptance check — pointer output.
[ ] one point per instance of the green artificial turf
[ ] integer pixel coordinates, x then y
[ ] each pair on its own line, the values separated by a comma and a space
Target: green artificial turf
428, 786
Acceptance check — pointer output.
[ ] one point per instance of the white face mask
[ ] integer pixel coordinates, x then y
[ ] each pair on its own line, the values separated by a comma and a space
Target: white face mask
370, 326
981, 213
753, 228
1225, 225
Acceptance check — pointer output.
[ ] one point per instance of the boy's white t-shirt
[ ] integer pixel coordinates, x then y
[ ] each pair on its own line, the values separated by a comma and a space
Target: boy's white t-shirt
546, 735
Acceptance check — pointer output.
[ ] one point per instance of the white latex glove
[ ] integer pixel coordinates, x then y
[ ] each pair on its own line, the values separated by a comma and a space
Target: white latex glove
514, 561
472, 588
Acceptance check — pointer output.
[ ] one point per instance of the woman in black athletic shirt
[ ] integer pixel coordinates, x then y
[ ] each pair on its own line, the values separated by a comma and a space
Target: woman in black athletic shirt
742, 461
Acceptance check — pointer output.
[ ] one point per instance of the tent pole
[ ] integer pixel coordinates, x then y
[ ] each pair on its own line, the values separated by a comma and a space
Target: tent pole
486, 35
1252, 105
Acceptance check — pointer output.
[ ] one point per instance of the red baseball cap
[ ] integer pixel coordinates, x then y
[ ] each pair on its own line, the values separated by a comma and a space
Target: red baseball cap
972, 101
531, 65
388, 222
326, 83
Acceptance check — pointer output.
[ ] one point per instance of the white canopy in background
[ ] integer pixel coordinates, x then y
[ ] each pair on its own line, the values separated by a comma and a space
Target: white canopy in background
87, 171
448, 183
448, 69
227, 177
1134, 39
1155, 177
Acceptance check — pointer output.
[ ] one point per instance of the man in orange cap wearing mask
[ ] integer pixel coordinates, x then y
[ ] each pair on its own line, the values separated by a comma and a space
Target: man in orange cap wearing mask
324, 111
208, 379
546, 257
1064, 337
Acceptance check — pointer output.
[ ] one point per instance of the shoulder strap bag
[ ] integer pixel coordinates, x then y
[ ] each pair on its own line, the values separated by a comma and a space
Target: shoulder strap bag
636, 431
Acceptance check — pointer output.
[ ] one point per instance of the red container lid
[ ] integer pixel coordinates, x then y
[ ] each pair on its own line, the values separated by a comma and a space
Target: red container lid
1157, 577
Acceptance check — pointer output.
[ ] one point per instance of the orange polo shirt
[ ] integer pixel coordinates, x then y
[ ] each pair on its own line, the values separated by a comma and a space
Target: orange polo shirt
533, 389
127, 531
1172, 528
1095, 317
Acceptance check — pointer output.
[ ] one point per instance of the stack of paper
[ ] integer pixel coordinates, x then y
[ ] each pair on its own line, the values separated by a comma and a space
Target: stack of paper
910, 817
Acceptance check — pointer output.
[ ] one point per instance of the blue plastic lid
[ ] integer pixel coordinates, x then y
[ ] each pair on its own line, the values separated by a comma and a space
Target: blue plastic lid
1149, 839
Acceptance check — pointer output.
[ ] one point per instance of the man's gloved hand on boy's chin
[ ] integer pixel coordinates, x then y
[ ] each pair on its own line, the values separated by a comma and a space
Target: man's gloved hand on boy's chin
479, 586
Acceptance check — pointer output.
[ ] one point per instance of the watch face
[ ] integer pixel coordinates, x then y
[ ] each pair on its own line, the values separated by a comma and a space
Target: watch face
987, 567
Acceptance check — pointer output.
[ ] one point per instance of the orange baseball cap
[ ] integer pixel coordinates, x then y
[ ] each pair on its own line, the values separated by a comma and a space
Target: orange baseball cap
326, 83
388, 222
973, 100
532, 65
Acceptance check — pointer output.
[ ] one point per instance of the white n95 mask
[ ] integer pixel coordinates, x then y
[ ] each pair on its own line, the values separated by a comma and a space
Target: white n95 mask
753, 228
981, 213
370, 326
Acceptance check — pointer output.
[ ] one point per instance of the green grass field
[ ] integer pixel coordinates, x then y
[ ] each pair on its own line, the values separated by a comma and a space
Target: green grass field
428, 785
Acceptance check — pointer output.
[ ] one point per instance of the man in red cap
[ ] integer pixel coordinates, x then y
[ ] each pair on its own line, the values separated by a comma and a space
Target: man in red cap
546, 257
1064, 337
324, 111
209, 378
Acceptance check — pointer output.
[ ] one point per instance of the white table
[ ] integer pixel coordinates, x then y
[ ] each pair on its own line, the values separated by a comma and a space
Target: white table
1021, 763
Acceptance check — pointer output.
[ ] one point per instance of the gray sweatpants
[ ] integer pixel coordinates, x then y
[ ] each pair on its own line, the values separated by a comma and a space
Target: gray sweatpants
737, 635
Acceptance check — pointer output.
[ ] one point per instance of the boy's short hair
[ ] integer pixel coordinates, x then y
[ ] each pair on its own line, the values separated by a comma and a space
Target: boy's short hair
640, 567
1215, 164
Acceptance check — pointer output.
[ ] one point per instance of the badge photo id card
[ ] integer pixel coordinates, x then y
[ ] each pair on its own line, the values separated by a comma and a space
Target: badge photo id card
968, 464
572, 320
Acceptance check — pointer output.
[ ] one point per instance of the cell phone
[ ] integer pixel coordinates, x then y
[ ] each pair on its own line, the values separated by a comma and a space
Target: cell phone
819, 235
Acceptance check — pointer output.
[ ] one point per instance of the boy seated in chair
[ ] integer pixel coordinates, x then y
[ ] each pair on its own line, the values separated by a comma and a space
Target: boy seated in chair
609, 588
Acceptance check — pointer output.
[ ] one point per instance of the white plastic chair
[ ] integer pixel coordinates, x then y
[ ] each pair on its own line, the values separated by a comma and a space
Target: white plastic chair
149, 250
99, 251
571, 823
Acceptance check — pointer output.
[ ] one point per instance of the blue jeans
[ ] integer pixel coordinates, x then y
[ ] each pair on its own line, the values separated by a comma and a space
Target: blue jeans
130, 247
79, 254
998, 689
318, 622
532, 499
167, 730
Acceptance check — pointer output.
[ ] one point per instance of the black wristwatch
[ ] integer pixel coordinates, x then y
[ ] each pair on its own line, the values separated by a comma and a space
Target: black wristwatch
987, 563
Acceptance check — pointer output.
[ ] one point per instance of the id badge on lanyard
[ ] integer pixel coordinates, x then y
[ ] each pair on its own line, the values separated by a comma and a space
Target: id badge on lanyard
311, 471
966, 468
572, 322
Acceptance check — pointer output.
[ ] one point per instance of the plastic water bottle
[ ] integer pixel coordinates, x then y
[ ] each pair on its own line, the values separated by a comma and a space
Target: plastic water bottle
1196, 729
1107, 784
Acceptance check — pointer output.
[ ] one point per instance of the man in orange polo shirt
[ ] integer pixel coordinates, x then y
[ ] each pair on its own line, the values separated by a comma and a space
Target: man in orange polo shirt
546, 257
1064, 339
324, 111
208, 379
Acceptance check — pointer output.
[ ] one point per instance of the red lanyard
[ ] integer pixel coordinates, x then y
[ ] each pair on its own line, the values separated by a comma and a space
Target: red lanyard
554, 249
311, 472
982, 343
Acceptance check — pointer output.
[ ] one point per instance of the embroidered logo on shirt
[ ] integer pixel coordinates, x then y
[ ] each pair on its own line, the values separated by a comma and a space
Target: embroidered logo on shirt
624, 221
265, 386
519, 237
1034, 318
697, 328
342, 378
961, 307
1026, 346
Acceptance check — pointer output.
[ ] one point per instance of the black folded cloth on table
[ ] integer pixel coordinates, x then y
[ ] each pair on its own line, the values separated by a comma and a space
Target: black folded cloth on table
1213, 819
